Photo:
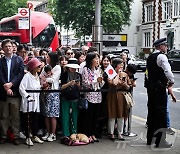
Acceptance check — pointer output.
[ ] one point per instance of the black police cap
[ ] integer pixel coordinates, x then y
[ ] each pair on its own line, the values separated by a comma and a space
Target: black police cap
160, 42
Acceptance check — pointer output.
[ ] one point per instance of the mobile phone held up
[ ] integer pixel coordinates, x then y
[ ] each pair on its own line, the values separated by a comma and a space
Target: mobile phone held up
135, 79
123, 78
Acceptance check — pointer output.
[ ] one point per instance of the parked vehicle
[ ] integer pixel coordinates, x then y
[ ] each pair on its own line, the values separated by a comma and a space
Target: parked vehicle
174, 59
140, 63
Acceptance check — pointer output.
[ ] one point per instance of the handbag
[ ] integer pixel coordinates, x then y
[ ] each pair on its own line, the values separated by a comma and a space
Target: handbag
83, 103
129, 99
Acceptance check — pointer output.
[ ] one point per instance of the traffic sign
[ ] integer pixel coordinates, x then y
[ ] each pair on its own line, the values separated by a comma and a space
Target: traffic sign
23, 23
30, 5
24, 12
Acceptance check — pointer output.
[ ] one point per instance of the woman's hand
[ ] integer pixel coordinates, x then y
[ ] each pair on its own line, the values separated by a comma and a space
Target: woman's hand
125, 85
71, 83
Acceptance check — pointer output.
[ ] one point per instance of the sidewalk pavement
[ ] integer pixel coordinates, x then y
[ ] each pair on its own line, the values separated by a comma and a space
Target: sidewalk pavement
132, 145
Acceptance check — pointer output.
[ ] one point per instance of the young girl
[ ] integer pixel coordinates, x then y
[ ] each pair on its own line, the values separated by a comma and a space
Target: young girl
46, 73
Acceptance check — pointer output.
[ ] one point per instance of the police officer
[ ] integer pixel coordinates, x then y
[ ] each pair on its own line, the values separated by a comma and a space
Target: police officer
160, 77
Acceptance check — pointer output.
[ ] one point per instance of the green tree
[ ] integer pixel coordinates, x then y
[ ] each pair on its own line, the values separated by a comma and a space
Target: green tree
10, 7
80, 14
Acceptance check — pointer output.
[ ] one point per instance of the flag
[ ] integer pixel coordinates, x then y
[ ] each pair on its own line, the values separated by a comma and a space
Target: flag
110, 72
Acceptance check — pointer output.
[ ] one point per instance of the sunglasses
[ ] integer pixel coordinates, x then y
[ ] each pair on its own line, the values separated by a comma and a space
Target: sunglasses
69, 53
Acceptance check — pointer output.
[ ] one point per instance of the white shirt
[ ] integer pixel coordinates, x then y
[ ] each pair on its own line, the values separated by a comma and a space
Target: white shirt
54, 79
82, 66
29, 82
162, 61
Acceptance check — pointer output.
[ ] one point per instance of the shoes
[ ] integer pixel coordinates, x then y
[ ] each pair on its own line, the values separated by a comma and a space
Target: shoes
91, 140
112, 138
21, 135
51, 138
37, 140
16, 141
95, 139
125, 134
3, 140
170, 131
121, 138
164, 144
29, 142
45, 136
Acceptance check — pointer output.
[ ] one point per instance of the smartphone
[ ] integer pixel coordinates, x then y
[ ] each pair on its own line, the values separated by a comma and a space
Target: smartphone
77, 80
135, 79
123, 78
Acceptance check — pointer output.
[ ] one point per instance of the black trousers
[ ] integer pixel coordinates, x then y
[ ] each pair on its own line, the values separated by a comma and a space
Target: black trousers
157, 117
87, 121
31, 123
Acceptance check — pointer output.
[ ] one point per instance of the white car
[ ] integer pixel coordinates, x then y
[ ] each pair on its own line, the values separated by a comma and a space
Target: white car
140, 63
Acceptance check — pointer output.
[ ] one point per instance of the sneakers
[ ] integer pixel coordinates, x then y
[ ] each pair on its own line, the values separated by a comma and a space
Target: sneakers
170, 131
51, 138
29, 142
21, 135
45, 137
37, 140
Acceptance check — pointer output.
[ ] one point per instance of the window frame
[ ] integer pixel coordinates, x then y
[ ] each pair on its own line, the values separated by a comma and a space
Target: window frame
148, 13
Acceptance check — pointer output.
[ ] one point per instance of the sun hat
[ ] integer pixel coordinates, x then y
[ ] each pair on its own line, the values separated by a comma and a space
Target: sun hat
33, 63
72, 63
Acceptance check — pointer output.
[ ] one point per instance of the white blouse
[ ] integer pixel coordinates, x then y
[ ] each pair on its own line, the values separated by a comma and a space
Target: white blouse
30, 82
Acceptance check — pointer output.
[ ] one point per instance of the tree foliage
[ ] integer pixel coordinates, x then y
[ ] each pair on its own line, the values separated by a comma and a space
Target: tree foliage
10, 7
80, 14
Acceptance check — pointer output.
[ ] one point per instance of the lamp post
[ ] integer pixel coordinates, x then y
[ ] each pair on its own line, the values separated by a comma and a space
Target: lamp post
97, 28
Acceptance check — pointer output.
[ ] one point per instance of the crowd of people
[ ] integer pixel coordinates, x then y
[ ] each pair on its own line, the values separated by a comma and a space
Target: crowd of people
68, 71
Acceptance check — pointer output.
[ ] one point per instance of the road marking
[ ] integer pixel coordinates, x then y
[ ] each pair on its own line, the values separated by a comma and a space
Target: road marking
170, 99
143, 121
143, 93
176, 90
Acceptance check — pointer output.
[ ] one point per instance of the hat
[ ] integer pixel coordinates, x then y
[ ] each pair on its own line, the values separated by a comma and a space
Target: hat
72, 63
160, 42
33, 63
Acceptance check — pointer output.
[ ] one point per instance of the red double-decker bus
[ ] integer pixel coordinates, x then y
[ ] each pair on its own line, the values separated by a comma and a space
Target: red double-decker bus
44, 33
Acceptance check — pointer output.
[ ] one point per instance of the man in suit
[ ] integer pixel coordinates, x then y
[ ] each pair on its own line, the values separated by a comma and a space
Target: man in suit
159, 78
11, 74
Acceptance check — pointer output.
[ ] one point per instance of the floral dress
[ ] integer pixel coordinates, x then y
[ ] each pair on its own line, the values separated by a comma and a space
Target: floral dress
51, 105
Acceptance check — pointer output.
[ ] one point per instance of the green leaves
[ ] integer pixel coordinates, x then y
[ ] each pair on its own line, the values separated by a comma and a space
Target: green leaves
80, 15
10, 7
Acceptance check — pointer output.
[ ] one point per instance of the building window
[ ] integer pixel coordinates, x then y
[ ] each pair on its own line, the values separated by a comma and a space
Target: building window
176, 8
148, 13
147, 39
167, 10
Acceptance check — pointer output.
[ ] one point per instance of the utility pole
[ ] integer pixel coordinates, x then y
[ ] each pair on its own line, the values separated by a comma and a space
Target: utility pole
97, 29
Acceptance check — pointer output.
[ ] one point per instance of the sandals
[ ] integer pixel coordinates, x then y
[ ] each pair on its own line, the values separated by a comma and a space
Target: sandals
95, 139
91, 140
112, 138
121, 138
